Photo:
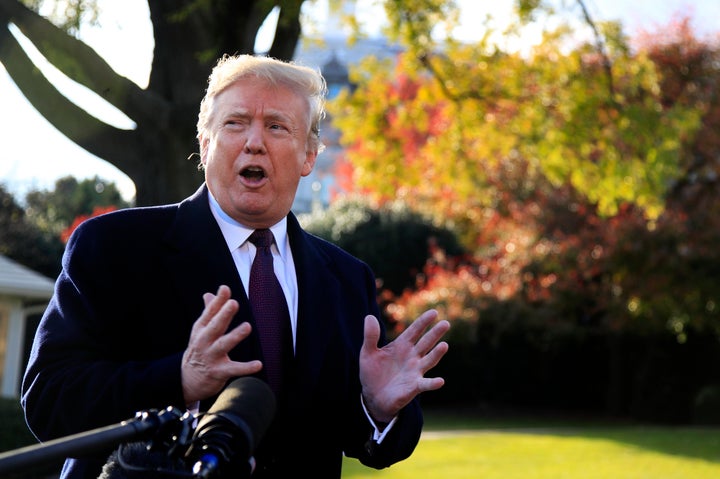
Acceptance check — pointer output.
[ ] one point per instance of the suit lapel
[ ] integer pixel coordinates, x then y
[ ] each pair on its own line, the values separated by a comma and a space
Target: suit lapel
317, 291
199, 260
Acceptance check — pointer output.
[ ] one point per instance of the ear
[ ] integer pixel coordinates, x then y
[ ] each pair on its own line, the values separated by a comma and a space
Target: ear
309, 164
204, 141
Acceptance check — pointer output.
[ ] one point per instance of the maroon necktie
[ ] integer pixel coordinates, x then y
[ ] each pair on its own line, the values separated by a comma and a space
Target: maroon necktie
269, 308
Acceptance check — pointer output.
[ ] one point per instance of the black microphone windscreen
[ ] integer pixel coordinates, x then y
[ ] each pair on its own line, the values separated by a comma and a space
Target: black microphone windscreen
249, 399
226, 436
136, 460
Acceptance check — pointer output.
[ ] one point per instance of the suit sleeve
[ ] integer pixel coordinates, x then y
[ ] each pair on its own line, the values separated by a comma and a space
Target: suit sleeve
398, 444
79, 376
403, 437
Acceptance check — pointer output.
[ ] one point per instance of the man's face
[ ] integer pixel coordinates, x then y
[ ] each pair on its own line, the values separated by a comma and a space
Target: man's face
256, 150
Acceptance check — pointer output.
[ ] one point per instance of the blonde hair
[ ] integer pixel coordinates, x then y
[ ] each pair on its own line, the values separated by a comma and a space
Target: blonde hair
301, 79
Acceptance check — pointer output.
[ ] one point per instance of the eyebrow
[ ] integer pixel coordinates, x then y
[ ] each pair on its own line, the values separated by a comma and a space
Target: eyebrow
267, 115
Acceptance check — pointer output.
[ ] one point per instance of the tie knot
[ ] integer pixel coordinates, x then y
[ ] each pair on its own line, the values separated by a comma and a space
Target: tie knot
261, 238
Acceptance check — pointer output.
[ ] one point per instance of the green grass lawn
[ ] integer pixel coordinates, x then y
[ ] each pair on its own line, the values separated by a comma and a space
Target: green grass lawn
546, 449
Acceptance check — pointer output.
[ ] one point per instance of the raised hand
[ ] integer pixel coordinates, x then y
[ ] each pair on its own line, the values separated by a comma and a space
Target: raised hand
206, 366
393, 375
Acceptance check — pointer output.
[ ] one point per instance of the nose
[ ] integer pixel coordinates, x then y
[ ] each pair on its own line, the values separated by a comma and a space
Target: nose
255, 142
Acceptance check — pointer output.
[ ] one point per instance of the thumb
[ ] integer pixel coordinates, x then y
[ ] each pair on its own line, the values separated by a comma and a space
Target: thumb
371, 333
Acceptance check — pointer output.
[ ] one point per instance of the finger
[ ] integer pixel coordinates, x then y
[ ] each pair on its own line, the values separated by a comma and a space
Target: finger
228, 341
213, 303
219, 323
237, 368
433, 358
430, 338
371, 333
207, 298
430, 384
418, 327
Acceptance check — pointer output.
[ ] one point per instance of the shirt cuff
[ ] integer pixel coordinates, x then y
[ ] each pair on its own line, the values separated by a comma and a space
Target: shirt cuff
378, 435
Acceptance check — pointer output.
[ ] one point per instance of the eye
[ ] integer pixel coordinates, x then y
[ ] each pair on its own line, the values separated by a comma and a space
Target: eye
235, 121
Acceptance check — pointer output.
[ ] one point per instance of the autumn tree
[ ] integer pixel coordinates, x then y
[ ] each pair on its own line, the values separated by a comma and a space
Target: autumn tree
486, 139
591, 204
689, 75
436, 126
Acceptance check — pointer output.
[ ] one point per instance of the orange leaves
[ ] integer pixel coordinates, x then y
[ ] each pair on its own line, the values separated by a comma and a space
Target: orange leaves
97, 211
572, 186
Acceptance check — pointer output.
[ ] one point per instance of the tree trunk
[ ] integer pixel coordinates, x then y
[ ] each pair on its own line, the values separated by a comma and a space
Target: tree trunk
158, 155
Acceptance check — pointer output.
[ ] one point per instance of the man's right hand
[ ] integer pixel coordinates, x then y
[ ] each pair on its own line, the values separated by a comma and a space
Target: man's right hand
206, 366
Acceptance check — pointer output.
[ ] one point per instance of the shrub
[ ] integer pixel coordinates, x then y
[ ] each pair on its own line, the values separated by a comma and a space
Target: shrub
14, 433
394, 240
706, 408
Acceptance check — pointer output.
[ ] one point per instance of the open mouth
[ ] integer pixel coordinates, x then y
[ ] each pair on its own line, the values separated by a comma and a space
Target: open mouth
254, 173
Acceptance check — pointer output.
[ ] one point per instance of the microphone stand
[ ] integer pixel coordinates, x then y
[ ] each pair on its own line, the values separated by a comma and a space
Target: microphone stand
142, 426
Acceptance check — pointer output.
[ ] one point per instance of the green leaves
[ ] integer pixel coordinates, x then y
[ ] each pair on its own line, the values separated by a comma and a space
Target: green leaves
436, 125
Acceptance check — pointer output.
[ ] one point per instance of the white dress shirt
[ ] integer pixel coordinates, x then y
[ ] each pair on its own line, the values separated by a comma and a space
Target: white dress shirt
243, 253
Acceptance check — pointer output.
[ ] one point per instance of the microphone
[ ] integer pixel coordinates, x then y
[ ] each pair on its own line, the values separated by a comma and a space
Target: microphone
168, 422
160, 457
222, 443
226, 436
140, 460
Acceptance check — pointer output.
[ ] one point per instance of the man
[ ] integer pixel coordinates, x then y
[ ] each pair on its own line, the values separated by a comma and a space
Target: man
151, 308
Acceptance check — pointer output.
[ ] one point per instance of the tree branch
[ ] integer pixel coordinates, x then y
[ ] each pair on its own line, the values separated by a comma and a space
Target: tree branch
85, 130
82, 64
600, 45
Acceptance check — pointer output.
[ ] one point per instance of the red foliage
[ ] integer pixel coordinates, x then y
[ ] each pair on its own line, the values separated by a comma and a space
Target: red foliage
97, 211
406, 137
554, 253
546, 247
689, 72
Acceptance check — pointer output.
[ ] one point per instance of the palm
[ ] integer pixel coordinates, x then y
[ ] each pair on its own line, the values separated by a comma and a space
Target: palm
393, 375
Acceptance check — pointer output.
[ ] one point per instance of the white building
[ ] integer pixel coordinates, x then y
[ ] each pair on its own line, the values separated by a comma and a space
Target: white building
24, 295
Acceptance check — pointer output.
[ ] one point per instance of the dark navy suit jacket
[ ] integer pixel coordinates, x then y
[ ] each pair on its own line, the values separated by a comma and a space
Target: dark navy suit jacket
111, 340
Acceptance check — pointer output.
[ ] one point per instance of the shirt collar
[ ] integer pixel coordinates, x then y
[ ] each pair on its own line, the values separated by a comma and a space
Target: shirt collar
236, 234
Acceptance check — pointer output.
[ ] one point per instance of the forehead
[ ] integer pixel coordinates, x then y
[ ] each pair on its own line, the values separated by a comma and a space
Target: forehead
253, 94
